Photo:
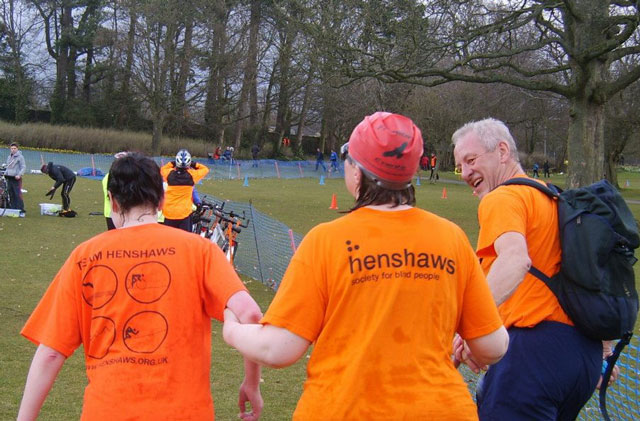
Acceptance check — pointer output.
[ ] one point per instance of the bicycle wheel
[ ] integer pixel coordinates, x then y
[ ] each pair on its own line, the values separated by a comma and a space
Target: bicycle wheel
4, 197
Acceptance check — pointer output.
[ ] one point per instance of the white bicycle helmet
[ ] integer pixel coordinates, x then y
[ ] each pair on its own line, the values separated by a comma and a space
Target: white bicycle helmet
183, 159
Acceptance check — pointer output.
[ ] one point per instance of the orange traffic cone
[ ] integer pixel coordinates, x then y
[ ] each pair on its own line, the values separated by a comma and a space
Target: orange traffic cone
444, 192
334, 202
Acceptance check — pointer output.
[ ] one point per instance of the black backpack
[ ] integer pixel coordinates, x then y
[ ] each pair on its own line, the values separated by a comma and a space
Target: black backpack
596, 283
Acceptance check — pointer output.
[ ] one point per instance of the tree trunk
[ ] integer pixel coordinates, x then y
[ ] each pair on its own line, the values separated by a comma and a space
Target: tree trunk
252, 61
303, 114
88, 72
264, 127
284, 92
246, 106
124, 113
585, 146
158, 127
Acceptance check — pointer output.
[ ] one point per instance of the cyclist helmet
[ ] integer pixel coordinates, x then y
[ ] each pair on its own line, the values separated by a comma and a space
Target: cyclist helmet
183, 159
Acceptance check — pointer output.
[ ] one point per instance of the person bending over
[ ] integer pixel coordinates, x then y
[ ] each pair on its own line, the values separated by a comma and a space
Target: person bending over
380, 292
64, 177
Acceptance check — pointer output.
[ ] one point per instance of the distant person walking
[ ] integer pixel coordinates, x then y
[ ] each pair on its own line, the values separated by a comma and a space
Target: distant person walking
536, 168
320, 160
15, 170
64, 177
424, 162
254, 154
545, 168
433, 162
333, 159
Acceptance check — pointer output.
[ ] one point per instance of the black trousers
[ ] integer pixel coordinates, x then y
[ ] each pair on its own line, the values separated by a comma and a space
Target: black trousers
66, 189
15, 193
184, 224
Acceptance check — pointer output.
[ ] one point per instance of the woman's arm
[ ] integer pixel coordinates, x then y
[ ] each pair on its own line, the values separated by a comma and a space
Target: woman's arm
268, 345
480, 352
246, 310
44, 369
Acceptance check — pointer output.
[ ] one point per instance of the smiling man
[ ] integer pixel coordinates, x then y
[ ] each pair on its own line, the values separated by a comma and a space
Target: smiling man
550, 369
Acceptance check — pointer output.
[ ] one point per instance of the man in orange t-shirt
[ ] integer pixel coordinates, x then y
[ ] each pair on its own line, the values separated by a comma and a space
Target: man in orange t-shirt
139, 299
380, 292
433, 164
550, 369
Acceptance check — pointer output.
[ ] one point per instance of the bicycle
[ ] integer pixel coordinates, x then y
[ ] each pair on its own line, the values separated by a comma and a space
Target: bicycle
4, 191
221, 228
233, 225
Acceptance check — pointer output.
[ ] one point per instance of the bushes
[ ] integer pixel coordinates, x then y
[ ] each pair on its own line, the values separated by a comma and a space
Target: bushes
93, 140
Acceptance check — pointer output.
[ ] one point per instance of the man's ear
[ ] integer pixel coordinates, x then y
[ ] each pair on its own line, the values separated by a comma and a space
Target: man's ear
504, 150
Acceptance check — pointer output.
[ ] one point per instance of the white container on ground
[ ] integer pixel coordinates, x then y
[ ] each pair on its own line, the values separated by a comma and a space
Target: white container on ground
15, 213
50, 209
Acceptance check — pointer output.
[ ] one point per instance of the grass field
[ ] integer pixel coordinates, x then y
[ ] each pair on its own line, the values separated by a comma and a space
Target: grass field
34, 248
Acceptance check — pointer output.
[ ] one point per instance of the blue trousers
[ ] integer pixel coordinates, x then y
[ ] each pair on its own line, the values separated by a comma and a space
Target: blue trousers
549, 372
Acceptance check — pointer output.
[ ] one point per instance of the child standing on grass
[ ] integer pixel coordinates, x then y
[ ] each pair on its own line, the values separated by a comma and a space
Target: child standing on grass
379, 297
140, 300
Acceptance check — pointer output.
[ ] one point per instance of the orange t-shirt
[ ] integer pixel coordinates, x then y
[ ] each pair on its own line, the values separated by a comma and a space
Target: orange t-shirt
140, 300
531, 213
381, 294
178, 196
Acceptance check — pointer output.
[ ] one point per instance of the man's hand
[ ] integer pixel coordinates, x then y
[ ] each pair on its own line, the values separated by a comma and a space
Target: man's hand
607, 351
614, 376
194, 165
50, 193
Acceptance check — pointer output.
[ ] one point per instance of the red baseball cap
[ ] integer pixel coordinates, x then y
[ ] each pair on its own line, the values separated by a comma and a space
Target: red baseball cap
388, 148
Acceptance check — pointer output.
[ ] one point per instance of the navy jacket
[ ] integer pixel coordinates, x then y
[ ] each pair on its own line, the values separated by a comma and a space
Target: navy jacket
60, 174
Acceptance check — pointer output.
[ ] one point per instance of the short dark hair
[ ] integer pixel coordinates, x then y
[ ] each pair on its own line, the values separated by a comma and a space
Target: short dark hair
371, 193
135, 180
13, 144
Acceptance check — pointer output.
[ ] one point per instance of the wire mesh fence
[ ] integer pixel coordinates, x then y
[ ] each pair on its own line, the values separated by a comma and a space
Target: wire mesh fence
265, 247
218, 168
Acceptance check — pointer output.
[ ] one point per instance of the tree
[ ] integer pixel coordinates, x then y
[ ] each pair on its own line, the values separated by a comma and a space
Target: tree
15, 30
65, 43
622, 125
157, 26
572, 48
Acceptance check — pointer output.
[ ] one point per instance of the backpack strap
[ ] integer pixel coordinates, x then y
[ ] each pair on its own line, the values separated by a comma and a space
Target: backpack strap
553, 192
611, 361
549, 189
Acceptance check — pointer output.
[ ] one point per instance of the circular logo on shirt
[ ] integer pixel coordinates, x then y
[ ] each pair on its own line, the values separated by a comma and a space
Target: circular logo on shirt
99, 285
103, 335
144, 332
148, 282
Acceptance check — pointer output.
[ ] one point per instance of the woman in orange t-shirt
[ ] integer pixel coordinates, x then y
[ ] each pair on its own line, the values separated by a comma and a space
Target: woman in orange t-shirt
380, 292
139, 299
